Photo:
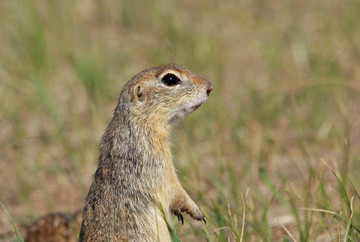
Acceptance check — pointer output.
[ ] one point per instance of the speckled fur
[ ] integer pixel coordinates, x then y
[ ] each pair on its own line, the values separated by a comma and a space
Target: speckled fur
135, 177
58, 227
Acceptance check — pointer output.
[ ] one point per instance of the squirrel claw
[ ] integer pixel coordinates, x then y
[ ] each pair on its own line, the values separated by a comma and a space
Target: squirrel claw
179, 216
204, 219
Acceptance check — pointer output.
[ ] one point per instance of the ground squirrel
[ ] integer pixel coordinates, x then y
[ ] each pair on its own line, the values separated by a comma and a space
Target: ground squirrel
135, 183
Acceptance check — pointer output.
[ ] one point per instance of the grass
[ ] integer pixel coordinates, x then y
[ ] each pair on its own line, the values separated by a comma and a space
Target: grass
5, 208
272, 156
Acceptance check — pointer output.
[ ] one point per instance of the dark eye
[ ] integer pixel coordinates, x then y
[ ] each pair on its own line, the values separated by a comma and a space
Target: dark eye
170, 80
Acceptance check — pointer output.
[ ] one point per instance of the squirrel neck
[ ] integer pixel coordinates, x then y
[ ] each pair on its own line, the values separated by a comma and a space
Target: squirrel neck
133, 145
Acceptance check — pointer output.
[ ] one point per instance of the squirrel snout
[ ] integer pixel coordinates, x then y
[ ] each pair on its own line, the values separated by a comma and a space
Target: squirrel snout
209, 88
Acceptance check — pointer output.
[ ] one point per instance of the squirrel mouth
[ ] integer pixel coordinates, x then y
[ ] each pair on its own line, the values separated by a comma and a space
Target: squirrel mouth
195, 107
192, 108
183, 112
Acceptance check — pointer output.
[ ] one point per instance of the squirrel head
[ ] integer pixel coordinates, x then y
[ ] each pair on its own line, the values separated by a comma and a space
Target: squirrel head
164, 94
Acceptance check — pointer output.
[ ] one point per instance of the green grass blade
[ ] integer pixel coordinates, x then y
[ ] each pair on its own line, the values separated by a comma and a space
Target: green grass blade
208, 236
4, 205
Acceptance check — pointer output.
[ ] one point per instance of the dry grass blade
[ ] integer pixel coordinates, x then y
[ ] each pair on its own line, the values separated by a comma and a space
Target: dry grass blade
287, 231
320, 210
348, 227
243, 216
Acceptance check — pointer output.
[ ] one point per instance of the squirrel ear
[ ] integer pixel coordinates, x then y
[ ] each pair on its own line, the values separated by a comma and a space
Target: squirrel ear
140, 93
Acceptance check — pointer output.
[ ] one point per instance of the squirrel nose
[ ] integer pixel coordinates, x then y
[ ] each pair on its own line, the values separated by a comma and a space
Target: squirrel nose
209, 88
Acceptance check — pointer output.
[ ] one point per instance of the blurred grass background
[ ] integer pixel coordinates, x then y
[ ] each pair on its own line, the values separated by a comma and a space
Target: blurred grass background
275, 148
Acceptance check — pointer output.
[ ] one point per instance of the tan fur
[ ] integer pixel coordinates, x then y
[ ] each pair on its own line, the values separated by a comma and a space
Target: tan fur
135, 179
54, 227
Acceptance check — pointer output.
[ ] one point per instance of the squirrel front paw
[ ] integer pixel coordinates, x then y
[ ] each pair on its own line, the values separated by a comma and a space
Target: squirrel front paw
195, 214
179, 215
200, 218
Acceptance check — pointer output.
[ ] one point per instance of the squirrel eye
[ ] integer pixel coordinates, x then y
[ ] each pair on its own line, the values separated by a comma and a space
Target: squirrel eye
170, 80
